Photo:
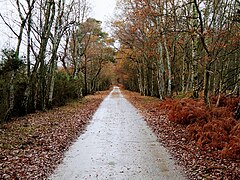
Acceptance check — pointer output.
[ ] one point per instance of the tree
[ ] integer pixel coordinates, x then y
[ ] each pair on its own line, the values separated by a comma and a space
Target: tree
8, 69
42, 25
180, 46
96, 52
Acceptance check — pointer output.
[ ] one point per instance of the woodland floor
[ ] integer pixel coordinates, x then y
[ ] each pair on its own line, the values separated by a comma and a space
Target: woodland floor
32, 146
199, 163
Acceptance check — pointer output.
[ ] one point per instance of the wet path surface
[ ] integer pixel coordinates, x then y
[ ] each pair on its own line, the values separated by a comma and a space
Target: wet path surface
117, 145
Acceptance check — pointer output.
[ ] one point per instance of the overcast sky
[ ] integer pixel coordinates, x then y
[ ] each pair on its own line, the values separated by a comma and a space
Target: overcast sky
103, 10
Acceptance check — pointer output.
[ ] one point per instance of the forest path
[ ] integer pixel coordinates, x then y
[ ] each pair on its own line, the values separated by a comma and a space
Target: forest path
117, 145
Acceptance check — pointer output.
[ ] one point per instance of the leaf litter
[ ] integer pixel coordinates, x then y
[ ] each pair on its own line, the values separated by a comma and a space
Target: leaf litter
32, 146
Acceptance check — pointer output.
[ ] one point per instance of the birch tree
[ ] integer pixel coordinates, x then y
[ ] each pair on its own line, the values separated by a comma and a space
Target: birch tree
24, 14
187, 36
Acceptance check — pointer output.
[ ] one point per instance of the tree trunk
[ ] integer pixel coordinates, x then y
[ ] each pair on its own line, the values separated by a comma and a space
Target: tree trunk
194, 55
52, 82
29, 28
189, 77
161, 83
237, 86
85, 76
140, 86
184, 70
169, 86
206, 83
219, 93
215, 80
236, 89
49, 18
56, 39
152, 81
145, 80
11, 91
11, 96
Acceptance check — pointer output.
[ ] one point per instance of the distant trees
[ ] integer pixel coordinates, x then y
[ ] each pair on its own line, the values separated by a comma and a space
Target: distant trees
89, 50
176, 47
51, 33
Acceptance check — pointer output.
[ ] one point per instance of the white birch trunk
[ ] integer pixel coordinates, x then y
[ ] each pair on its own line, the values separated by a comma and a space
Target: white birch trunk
169, 87
161, 84
194, 55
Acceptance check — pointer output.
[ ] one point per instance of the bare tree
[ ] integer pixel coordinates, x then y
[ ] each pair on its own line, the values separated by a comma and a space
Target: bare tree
24, 15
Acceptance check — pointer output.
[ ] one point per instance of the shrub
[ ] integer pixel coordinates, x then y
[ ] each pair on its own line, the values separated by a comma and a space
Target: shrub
214, 135
213, 128
236, 130
229, 102
187, 111
218, 112
65, 89
232, 149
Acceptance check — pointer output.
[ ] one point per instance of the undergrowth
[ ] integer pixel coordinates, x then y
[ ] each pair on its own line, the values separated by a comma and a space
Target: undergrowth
211, 128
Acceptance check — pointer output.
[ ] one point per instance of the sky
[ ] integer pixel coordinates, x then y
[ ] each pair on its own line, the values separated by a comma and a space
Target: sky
103, 10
